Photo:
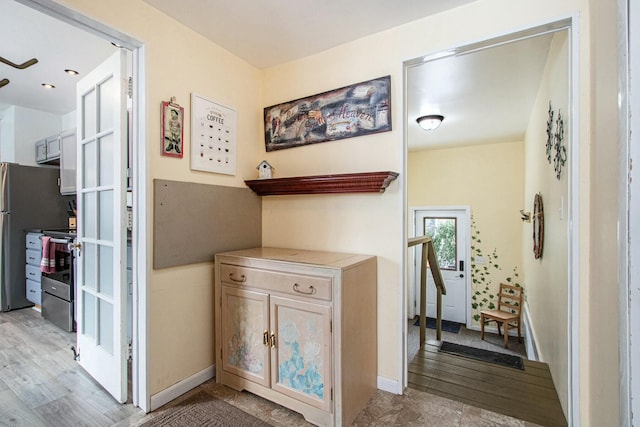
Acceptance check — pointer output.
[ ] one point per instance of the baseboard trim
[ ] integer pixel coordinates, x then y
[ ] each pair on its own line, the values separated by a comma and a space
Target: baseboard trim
494, 330
181, 387
389, 385
530, 335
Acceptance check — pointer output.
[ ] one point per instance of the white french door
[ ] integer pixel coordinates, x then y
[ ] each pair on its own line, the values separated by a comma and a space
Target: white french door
449, 229
101, 238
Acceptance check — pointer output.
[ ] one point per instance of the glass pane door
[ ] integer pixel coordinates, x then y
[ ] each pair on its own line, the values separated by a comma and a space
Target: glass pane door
101, 230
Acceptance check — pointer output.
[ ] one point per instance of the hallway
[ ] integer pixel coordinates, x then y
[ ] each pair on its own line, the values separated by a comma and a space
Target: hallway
527, 394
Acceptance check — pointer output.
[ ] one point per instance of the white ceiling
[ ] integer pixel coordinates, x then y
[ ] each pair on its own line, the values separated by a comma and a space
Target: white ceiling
485, 96
57, 46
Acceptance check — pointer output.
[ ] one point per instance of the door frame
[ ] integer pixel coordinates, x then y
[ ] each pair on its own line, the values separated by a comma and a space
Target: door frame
628, 213
571, 23
140, 391
464, 210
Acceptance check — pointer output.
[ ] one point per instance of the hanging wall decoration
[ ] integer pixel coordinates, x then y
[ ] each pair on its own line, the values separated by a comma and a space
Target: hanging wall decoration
172, 128
556, 151
355, 110
538, 226
213, 136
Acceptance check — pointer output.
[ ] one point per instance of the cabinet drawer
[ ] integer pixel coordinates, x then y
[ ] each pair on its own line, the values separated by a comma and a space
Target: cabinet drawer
34, 257
33, 273
34, 292
293, 284
57, 288
34, 242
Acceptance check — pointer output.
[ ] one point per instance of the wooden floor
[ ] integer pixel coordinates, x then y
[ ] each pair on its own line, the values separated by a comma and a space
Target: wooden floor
528, 395
42, 385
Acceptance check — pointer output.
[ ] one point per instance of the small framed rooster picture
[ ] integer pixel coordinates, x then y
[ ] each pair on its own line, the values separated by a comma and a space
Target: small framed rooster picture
172, 129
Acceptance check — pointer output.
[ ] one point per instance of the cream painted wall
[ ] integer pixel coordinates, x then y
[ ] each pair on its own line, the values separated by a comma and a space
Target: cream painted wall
301, 221
490, 179
546, 279
604, 345
200, 66
179, 62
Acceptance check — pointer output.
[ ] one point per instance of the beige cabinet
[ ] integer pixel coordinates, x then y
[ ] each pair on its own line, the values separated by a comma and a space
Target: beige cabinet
298, 328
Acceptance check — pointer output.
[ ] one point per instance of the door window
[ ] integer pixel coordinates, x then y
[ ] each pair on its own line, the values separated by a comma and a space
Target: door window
443, 232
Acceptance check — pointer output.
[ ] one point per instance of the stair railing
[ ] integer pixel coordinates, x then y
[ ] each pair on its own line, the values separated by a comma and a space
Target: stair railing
429, 254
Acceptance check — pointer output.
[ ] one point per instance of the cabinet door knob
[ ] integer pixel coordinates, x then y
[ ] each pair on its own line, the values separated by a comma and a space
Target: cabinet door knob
265, 338
273, 340
311, 290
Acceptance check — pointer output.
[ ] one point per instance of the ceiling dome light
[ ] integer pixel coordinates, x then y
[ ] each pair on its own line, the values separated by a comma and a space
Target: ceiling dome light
72, 72
48, 86
430, 122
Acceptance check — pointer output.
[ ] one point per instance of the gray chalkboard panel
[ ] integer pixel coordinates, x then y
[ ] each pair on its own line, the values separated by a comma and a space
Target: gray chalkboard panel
192, 222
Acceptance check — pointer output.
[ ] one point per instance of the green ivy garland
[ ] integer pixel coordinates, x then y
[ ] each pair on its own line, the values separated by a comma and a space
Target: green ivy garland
481, 275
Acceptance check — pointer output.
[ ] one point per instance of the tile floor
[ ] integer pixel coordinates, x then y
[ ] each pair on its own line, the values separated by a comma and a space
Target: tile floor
413, 408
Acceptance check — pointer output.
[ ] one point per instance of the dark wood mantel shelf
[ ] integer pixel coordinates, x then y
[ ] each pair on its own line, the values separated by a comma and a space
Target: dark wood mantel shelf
364, 182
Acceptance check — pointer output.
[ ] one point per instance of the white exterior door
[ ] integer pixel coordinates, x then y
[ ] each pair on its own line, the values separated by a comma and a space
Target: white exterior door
449, 230
101, 262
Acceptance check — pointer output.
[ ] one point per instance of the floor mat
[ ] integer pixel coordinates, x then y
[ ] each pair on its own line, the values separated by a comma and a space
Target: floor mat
483, 355
447, 326
203, 410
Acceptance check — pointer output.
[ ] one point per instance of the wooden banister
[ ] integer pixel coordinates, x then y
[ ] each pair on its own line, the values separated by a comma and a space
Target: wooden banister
429, 254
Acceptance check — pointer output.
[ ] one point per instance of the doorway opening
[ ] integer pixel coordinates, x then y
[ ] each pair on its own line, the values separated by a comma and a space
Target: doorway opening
131, 282
497, 175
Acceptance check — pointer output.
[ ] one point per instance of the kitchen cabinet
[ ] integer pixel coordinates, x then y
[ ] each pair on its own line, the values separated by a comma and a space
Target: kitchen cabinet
32, 267
48, 150
298, 328
68, 158
53, 147
41, 151
60, 149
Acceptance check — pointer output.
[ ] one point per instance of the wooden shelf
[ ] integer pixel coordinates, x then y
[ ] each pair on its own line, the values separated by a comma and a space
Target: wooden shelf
365, 182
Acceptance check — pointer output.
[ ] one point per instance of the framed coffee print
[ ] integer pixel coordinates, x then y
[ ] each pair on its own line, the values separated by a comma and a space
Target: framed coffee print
213, 136
172, 129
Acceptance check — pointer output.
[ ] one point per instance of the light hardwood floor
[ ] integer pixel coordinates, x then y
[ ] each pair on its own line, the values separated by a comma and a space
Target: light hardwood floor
40, 382
41, 385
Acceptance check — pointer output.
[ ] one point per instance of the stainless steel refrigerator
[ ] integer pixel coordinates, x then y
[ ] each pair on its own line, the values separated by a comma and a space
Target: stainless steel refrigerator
29, 199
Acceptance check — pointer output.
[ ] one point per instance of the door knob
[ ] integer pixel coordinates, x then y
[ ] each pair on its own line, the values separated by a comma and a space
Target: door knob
461, 275
77, 246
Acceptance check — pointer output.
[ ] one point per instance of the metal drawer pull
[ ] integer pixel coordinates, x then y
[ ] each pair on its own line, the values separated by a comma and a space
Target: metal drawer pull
273, 340
265, 338
242, 278
311, 290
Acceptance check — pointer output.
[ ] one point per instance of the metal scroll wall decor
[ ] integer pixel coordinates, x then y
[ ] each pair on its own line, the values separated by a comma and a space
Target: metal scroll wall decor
556, 151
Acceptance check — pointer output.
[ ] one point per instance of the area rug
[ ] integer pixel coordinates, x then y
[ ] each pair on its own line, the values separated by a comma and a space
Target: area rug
447, 326
202, 410
483, 355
